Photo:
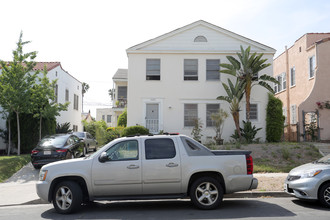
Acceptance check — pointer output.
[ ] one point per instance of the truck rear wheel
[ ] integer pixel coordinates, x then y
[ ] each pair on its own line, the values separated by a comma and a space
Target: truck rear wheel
67, 197
206, 193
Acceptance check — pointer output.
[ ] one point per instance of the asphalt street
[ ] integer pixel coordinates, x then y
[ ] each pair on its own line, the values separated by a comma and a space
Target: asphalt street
261, 208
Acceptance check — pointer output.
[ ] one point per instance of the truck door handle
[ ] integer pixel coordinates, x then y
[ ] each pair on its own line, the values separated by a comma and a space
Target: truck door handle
133, 167
172, 165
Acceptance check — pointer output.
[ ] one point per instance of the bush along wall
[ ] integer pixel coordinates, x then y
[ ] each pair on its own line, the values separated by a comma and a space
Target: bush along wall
29, 128
135, 130
274, 119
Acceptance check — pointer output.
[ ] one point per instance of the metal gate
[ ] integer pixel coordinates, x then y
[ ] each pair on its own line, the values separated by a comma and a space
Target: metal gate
311, 125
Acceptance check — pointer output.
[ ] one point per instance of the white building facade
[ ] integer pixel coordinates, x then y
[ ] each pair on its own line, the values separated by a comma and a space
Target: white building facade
174, 78
68, 89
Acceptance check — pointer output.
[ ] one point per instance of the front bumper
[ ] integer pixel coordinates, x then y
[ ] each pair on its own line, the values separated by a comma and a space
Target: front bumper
306, 188
43, 190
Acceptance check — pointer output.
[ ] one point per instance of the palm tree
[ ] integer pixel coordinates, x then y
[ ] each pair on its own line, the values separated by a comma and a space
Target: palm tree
234, 96
246, 69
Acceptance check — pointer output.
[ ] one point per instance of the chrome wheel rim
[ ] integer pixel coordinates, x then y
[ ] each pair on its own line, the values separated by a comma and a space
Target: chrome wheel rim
207, 193
63, 198
326, 195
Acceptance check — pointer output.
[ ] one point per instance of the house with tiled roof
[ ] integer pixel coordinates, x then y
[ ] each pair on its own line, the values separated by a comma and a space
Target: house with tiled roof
68, 89
174, 79
303, 71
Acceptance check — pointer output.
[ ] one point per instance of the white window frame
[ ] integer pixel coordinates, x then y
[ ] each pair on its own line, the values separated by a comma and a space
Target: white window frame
210, 72
293, 114
75, 102
190, 77
311, 66
293, 76
153, 69
190, 124
281, 78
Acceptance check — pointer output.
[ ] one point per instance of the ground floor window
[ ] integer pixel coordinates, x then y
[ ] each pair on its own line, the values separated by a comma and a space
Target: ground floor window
190, 114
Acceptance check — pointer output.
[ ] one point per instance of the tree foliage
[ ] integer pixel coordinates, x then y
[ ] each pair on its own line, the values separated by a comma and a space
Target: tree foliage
16, 82
274, 119
135, 130
122, 119
247, 69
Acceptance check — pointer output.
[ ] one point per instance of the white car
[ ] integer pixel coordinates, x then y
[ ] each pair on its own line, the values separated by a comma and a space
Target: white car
311, 181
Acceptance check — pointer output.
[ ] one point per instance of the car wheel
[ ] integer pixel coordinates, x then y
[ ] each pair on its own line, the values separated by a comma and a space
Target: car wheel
324, 195
206, 193
67, 197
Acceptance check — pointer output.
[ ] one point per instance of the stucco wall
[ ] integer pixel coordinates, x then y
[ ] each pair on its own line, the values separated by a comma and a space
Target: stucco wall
172, 92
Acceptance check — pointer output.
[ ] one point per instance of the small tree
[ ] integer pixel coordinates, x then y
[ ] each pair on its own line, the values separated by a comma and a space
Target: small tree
219, 118
16, 81
274, 119
122, 119
197, 129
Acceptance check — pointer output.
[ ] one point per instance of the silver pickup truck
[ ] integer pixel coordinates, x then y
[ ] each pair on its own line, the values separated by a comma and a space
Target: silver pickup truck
147, 167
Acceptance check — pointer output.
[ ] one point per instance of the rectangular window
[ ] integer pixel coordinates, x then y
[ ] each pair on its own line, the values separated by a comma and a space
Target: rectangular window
108, 118
66, 95
122, 92
253, 111
75, 128
161, 148
56, 93
190, 69
293, 114
285, 115
211, 109
190, 114
153, 69
212, 69
284, 81
103, 117
293, 76
312, 66
75, 102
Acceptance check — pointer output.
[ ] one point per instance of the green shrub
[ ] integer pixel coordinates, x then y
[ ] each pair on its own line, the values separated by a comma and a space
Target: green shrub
274, 119
63, 128
135, 130
122, 119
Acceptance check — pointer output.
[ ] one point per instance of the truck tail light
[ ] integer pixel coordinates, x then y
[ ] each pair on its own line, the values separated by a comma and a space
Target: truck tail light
249, 164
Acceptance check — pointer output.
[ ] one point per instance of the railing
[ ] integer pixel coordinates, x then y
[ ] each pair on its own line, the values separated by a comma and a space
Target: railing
152, 125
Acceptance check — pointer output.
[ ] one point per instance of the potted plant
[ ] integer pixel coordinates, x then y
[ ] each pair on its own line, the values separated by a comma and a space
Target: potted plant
219, 118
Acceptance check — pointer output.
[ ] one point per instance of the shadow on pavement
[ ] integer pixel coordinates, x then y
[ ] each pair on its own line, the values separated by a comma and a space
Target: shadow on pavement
310, 204
177, 209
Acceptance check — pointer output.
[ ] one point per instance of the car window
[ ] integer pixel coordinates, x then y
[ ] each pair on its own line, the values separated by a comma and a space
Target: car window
56, 141
75, 138
125, 150
160, 148
89, 136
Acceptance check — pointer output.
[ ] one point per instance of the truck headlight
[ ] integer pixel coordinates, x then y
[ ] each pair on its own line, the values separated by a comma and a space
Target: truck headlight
43, 175
311, 173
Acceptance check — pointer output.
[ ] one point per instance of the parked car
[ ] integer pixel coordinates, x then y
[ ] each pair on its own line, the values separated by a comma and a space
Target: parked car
56, 147
88, 139
147, 167
311, 181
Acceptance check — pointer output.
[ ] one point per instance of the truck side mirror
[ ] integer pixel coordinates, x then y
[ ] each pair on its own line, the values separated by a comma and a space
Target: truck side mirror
104, 157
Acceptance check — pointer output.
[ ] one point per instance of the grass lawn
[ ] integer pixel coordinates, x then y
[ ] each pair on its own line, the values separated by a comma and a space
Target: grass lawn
11, 164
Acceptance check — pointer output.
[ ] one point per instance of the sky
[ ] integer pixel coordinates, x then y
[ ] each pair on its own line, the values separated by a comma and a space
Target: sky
90, 37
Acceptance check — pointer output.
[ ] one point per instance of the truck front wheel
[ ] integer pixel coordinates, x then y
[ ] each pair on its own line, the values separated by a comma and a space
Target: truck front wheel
67, 197
206, 193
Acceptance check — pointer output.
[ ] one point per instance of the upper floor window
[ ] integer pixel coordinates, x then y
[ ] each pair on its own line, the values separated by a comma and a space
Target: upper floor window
211, 109
190, 114
75, 101
212, 69
160, 148
66, 95
122, 92
153, 69
190, 69
200, 39
312, 66
293, 76
108, 118
282, 80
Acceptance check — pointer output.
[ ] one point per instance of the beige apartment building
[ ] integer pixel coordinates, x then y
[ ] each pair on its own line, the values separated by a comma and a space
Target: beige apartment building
303, 71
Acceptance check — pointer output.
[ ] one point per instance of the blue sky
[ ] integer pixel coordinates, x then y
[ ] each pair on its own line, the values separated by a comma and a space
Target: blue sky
89, 37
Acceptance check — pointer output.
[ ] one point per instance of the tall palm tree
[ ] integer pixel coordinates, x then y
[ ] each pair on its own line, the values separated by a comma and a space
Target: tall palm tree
234, 96
246, 69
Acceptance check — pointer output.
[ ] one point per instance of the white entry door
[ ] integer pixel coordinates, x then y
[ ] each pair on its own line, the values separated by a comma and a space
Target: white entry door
152, 117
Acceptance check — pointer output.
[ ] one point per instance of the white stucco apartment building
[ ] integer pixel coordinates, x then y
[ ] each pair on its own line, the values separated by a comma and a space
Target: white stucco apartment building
68, 89
175, 78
